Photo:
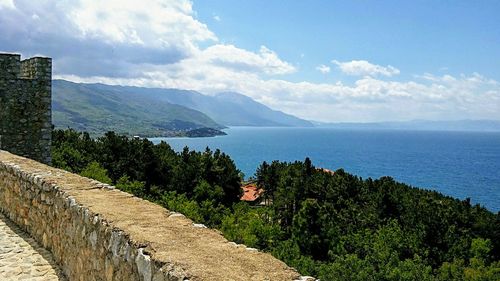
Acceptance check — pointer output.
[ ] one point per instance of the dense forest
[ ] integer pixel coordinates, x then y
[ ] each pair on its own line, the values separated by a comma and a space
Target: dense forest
334, 226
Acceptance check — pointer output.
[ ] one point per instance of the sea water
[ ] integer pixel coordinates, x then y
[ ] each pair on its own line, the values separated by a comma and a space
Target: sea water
460, 164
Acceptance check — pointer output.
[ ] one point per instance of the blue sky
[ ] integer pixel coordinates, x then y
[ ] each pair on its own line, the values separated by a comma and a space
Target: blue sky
332, 61
416, 36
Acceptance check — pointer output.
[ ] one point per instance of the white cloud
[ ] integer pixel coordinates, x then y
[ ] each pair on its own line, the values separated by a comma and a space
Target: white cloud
217, 18
323, 68
229, 56
7, 4
154, 23
91, 36
121, 38
363, 67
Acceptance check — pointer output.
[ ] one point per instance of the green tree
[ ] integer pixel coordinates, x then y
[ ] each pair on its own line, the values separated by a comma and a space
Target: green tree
95, 171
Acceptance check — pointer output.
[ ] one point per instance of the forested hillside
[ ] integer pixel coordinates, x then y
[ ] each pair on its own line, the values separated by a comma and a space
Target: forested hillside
97, 109
79, 103
334, 226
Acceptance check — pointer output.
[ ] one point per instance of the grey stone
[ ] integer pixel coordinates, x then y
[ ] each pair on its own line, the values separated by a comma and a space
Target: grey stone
143, 263
25, 106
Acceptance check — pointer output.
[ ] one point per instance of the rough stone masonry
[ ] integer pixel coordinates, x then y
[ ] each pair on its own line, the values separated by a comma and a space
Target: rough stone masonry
25, 106
96, 232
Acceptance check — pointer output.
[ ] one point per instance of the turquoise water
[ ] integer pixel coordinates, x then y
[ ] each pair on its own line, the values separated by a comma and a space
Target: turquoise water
460, 164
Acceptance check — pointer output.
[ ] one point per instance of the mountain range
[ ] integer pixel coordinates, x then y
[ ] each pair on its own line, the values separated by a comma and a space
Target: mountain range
227, 108
98, 108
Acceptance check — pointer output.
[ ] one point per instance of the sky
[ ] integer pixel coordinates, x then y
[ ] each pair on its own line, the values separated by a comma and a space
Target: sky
323, 60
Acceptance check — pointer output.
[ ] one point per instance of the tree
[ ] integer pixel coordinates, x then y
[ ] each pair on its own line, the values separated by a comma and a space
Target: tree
95, 171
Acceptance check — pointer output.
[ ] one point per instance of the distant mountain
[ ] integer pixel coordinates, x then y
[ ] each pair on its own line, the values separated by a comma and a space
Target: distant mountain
230, 109
99, 108
242, 110
458, 125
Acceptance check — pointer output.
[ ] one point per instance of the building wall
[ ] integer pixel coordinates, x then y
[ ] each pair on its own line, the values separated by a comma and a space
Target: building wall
25, 106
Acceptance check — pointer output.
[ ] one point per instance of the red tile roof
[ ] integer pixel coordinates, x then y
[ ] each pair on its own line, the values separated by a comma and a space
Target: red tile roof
251, 192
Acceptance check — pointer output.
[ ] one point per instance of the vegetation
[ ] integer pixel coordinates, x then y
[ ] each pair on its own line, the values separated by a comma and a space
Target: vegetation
334, 226
98, 108
204, 132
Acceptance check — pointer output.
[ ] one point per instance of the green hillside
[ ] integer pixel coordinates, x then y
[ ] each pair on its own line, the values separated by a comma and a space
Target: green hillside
229, 108
97, 109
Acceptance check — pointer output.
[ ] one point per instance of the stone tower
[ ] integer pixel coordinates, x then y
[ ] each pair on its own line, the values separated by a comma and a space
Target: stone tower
25, 106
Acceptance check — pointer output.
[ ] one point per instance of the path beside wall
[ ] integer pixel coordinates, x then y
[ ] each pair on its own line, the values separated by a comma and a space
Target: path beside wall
22, 258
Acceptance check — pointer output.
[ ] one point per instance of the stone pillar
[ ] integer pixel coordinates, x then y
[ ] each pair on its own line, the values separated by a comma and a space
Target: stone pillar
25, 106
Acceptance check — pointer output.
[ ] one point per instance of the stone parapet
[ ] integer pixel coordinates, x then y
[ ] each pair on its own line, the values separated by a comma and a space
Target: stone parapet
96, 232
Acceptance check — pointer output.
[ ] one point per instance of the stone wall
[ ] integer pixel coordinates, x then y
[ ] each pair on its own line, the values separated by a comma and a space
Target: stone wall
96, 232
25, 106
